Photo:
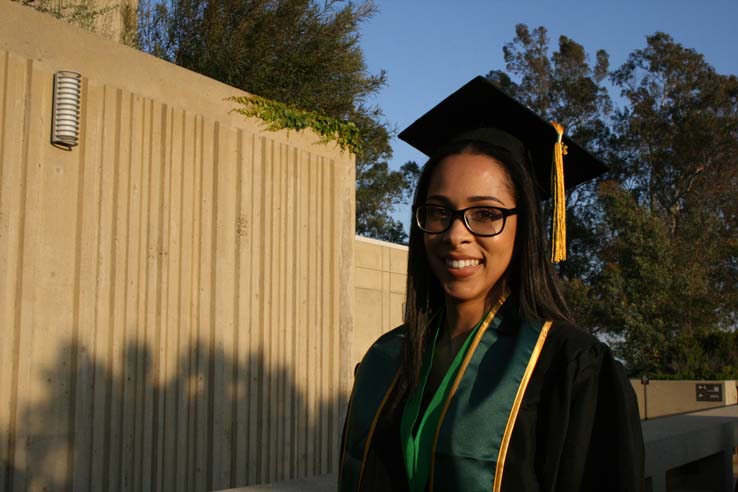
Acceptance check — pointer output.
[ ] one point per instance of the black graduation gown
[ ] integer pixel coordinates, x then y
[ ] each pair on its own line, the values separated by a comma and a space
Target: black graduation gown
578, 428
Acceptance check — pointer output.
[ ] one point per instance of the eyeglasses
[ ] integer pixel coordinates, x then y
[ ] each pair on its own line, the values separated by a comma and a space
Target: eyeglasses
481, 221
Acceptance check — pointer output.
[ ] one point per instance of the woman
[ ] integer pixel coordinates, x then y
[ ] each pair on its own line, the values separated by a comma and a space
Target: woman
487, 385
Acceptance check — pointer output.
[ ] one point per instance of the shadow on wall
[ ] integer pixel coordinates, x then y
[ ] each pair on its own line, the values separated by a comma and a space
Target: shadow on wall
202, 420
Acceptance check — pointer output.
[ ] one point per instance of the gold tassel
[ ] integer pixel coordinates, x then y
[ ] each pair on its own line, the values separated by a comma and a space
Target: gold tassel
558, 192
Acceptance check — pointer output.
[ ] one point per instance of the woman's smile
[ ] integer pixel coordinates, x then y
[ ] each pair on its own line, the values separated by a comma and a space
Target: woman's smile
462, 268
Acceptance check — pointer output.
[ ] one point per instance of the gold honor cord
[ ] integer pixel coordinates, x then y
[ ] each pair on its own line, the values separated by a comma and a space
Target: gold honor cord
497, 486
373, 426
558, 193
457, 381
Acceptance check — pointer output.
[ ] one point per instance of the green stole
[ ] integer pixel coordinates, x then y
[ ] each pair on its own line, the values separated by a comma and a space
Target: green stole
418, 448
462, 441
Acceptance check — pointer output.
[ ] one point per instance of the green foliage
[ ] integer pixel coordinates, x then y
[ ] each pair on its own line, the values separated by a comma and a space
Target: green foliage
82, 13
279, 116
129, 22
303, 54
654, 244
87, 15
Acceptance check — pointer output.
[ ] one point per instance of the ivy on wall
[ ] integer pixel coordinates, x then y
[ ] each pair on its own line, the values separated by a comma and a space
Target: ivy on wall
89, 16
279, 116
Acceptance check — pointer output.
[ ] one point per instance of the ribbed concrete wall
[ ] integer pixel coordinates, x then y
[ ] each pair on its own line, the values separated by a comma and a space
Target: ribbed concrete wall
171, 290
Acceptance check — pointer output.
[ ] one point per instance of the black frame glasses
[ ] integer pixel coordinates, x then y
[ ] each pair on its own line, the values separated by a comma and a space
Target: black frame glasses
464, 214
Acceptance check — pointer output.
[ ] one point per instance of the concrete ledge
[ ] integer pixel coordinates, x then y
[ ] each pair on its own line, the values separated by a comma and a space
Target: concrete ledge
323, 483
701, 443
704, 441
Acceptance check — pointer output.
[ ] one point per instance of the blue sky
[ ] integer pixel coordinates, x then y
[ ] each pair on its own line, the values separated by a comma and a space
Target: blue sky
430, 48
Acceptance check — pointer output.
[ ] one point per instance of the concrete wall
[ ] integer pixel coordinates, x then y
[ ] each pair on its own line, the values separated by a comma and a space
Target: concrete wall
173, 291
380, 275
671, 397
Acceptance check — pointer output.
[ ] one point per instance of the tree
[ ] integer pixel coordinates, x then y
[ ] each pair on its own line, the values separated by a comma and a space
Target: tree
676, 151
559, 86
654, 243
377, 188
297, 52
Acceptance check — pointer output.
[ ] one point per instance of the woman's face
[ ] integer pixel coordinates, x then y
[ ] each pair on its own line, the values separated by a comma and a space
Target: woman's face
469, 266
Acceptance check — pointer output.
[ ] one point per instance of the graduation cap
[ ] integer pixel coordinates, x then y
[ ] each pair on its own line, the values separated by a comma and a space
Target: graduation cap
482, 112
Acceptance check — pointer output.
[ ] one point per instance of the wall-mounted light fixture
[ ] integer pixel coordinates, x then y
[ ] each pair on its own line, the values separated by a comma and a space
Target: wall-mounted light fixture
65, 115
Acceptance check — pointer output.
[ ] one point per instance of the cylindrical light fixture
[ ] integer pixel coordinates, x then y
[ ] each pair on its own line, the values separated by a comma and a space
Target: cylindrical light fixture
65, 115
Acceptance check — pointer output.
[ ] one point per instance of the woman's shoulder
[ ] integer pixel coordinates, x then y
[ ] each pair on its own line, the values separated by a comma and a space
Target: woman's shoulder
387, 347
391, 337
572, 358
568, 343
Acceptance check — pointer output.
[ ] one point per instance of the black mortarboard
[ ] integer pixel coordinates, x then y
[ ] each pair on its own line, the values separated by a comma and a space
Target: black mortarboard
480, 111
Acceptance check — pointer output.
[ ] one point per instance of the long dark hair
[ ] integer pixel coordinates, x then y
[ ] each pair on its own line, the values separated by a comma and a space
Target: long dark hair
531, 278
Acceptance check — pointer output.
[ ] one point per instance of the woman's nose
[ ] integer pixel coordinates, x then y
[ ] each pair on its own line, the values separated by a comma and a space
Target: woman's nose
457, 232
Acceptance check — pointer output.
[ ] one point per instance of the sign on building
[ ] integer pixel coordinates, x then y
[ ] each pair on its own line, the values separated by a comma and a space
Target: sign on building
709, 391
